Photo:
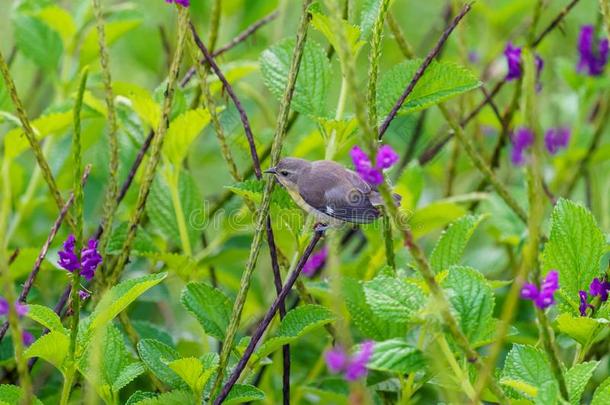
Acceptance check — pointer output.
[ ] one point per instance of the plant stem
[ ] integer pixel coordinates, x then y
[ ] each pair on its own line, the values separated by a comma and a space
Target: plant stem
404, 46
604, 6
174, 190
110, 202
455, 367
157, 144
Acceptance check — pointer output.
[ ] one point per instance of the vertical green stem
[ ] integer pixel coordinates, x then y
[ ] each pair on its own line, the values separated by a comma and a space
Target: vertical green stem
175, 195
110, 203
405, 47
604, 5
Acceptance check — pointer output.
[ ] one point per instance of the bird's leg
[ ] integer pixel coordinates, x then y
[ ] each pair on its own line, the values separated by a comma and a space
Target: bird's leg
320, 227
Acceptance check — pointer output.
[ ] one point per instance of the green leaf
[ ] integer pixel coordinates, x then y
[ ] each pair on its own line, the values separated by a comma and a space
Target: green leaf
156, 356
410, 185
583, 329
472, 300
295, 324
139, 396
12, 395
602, 393
89, 50
548, 393
191, 370
178, 397
577, 379
244, 393
253, 190
52, 347
434, 216
46, 317
143, 242
120, 296
149, 330
311, 88
368, 15
15, 141
575, 247
182, 132
450, 247
367, 322
127, 375
392, 299
396, 356
142, 102
61, 21
440, 82
327, 27
210, 306
528, 365
38, 42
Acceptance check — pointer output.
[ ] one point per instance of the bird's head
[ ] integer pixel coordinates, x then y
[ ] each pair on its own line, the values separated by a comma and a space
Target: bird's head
288, 170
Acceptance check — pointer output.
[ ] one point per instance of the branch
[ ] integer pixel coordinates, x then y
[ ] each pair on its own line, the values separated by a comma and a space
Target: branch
422, 68
264, 324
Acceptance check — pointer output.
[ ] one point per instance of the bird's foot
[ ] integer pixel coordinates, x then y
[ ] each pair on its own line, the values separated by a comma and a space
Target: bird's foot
320, 227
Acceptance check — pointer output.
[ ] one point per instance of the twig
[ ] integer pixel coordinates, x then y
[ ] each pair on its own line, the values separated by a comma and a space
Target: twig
12, 258
27, 286
235, 41
264, 324
422, 68
554, 23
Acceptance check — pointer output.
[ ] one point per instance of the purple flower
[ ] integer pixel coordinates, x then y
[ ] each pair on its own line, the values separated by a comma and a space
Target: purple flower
522, 139
183, 3
592, 61
354, 366
90, 258
20, 308
556, 138
474, 57
386, 157
27, 338
371, 176
315, 262
583, 303
544, 297
4, 307
359, 158
599, 287
513, 60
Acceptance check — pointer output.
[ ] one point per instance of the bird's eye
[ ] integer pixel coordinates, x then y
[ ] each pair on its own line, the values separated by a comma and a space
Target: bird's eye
284, 173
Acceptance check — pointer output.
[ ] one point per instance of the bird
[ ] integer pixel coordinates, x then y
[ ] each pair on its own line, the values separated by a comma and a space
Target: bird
330, 192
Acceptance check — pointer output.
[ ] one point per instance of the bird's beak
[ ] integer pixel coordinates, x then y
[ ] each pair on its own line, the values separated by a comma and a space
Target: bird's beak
271, 170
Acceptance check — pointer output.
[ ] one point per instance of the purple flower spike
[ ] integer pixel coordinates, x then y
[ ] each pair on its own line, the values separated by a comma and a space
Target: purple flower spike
583, 303
359, 158
556, 139
183, 3
27, 338
91, 259
3, 306
592, 61
315, 262
386, 157
336, 360
522, 139
544, 297
67, 258
513, 60
371, 176
20, 308
599, 287
529, 291
357, 366
84, 295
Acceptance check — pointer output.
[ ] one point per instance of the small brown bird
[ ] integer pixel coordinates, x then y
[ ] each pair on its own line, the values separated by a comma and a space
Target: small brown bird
329, 191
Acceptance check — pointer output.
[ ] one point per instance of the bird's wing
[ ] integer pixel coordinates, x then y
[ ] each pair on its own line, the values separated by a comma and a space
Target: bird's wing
337, 192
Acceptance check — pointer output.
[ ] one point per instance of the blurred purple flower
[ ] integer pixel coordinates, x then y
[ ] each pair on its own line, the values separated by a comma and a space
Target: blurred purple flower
84, 295
544, 297
353, 367
4, 307
20, 308
556, 138
27, 338
522, 139
599, 287
513, 60
583, 303
386, 157
315, 262
474, 57
592, 61
371, 176
183, 3
90, 258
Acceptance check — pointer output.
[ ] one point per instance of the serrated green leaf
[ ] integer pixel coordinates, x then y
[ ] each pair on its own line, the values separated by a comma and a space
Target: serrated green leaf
311, 88
142, 102
142, 244
127, 375
328, 28
61, 21
396, 356
369, 324
602, 393
191, 370
139, 396
156, 356
46, 317
295, 324
89, 49
577, 379
52, 347
392, 299
547, 393
182, 132
120, 296
581, 328
38, 42
244, 393
177, 397
15, 141
149, 330
210, 306
472, 300
450, 247
368, 15
12, 395
575, 247
440, 82
528, 365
